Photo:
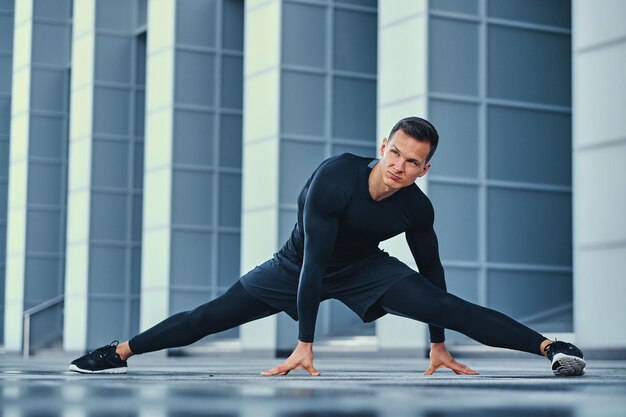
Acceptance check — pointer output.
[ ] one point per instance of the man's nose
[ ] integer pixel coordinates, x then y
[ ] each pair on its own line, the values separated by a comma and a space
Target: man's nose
399, 166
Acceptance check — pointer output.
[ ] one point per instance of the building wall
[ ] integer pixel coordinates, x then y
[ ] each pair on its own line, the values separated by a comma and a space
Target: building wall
599, 148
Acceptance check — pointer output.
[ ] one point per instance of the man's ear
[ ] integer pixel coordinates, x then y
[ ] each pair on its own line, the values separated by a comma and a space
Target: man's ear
425, 170
383, 146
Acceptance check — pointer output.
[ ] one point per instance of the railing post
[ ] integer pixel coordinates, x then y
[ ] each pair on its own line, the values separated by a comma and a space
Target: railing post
26, 339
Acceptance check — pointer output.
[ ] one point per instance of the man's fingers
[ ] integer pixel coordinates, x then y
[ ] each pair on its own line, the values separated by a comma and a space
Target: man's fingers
461, 369
312, 371
279, 370
431, 370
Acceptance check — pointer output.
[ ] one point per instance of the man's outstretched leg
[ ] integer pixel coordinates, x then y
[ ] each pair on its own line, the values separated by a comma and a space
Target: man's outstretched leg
234, 308
414, 297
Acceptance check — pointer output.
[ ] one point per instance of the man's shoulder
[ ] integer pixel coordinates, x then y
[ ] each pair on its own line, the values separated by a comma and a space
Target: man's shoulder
344, 161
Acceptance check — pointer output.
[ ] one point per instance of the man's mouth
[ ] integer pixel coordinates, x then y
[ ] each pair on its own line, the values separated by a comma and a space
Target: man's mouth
394, 176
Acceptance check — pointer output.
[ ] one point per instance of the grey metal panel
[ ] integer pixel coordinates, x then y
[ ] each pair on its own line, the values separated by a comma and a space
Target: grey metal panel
195, 75
297, 161
232, 86
456, 220
6, 33
521, 293
554, 12
232, 33
304, 34
303, 101
364, 3
353, 149
3, 248
529, 227
111, 111
183, 300
142, 13
351, 118
230, 200
529, 146
192, 196
228, 259
51, 44
455, 6
53, 9
48, 89
115, 15
453, 56
140, 109
231, 141
6, 74
135, 261
191, 260
193, 138
38, 287
5, 115
140, 59
108, 216
4, 162
47, 136
3, 211
457, 152
546, 75
194, 22
43, 233
44, 184
103, 321
137, 218
110, 163
138, 166
113, 58
107, 270
354, 35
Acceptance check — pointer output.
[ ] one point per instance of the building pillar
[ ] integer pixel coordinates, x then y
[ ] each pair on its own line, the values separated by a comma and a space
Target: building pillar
402, 92
599, 152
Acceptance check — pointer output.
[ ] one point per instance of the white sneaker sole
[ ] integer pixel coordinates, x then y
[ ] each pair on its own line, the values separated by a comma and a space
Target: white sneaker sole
566, 365
121, 370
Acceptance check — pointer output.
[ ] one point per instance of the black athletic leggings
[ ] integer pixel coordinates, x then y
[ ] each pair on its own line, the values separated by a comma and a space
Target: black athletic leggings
413, 297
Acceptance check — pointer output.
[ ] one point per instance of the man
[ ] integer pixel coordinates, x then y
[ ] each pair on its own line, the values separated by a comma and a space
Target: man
347, 207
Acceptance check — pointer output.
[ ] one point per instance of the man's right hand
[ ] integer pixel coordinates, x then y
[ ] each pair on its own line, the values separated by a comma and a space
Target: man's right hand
300, 358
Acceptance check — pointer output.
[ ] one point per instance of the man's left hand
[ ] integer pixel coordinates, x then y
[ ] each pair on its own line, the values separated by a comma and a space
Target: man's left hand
441, 358
301, 358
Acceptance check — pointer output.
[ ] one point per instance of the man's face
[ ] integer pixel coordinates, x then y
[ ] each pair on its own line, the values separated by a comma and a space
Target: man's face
403, 160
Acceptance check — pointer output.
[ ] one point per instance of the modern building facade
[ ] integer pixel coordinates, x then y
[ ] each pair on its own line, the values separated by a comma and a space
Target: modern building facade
151, 151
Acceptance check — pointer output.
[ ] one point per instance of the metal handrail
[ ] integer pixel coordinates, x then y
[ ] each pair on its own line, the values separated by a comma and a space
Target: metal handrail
53, 302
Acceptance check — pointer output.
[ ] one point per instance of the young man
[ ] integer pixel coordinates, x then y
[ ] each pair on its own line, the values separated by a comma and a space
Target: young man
347, 207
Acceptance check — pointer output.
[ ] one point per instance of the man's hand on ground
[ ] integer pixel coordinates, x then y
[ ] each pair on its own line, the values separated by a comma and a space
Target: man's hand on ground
441, 358
301, 358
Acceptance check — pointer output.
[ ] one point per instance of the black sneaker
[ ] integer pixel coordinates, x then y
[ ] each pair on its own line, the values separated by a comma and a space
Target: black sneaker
567, 359
103, 360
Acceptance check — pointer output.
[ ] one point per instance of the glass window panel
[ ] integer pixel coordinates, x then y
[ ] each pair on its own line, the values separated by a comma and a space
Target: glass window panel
228, 255
5, 115
191, 258
135, 312
113, 58
46, 137
4, 159
553, 12
105, 318
48, 90
529, 227
297, 161
354, 110
50, 44
109, 216
232, 28
140, 70
529, 146
457, 151
463, 282
287, 221
116, 15
368, 3
6, 33
193, 198
112, 111
456, 220
530, 66
196, 22
523, 293
138, 166
232, 82
230, 200
368, 151
57, 9
107, 270
355, 41
195, 73
136, 271
193, 138
6, 74
137, 218
453, 56
142, 15
110, 163
42, 279
3, 245
455, 6
183, 300
44, 184
3, 211
304, 35
43, 231
231, 141
303, 103
140, 112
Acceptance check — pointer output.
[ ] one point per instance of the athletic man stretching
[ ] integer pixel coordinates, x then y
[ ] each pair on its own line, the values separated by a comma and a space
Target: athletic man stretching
347, 207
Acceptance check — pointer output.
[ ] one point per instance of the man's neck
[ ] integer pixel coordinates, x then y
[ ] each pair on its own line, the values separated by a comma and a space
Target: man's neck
377, 188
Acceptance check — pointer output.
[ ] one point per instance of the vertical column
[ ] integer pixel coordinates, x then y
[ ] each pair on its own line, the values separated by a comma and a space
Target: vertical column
6, 67
402, 91
259, 229
599, 148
